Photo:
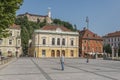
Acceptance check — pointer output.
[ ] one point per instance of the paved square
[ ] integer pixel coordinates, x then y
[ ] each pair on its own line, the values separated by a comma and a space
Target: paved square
50, 69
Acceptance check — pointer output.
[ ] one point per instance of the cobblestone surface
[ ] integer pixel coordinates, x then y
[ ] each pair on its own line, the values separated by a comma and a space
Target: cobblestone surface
50, 69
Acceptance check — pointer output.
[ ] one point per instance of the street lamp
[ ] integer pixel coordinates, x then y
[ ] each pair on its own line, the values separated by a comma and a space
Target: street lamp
112, 52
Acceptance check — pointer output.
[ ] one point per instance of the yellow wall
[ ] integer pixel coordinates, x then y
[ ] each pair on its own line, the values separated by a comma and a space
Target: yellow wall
38, 45
48, 51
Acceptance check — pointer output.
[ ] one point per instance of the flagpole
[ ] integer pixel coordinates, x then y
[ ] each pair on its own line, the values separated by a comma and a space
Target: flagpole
87, 22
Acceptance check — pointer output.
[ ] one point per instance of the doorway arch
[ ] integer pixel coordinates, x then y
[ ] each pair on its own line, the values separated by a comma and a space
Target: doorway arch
52, 53
58, 53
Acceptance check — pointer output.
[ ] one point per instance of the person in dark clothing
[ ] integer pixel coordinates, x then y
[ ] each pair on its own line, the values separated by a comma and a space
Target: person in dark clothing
87, 59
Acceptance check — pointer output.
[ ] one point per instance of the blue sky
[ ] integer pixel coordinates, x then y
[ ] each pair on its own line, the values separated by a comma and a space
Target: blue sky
104, 15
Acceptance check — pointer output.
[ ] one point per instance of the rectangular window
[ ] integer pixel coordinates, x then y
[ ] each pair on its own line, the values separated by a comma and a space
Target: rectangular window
10, 42
10, 33
72, 42
118, 39
43, 53
18, 33
44, 41
53, 41
18, 42
63, 41
58, 41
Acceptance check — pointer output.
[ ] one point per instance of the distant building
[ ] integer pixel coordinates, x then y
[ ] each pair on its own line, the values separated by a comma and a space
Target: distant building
89, 43
37, 18
11, 46
113, 39
52, 41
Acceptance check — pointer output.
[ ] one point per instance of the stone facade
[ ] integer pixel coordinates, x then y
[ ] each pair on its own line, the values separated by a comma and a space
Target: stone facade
11, 46
37, 18
52, 41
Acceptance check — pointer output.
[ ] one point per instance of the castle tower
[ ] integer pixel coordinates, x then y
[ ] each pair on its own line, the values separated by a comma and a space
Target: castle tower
49, 12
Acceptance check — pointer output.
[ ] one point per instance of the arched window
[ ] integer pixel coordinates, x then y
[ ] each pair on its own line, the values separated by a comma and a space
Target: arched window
52, 53
63, 52
72, 53
58, 53
58, 41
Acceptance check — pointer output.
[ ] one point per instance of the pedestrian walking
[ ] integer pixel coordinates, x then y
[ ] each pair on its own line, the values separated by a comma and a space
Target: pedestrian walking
62, 62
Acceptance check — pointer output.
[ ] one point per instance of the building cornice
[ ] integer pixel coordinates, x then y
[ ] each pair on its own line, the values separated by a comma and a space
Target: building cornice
56, 32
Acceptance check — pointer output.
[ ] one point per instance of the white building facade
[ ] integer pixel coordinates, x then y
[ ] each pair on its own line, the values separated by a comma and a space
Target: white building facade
113, 39
11, 46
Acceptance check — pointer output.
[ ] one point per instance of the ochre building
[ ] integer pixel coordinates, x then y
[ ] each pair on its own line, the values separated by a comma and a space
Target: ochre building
52, 41
89, 43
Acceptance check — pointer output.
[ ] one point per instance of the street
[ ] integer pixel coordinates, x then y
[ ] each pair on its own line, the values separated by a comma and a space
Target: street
50, 69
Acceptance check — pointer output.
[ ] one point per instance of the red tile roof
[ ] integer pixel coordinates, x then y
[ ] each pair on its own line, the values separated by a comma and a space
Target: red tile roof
14, 26
54, 27
113, 34
88, 34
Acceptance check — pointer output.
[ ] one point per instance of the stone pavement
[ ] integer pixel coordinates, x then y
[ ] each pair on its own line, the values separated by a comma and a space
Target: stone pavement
50, 69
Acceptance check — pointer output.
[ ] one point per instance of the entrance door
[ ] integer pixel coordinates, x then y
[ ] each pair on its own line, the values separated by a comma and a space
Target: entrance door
43, 53
58, 53
52, 53
63, 52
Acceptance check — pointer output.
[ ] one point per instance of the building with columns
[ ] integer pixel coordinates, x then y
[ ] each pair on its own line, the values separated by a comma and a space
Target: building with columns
11, 46
53, 40
90, 43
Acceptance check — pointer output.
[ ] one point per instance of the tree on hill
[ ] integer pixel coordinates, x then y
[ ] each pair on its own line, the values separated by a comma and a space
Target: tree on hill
27, 29
8, 10
63, 23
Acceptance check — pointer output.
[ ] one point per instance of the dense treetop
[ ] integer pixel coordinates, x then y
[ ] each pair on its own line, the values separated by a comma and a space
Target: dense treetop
8, 10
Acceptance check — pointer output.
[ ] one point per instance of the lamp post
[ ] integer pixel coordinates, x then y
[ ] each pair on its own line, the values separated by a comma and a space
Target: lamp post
87, 23
112, 52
